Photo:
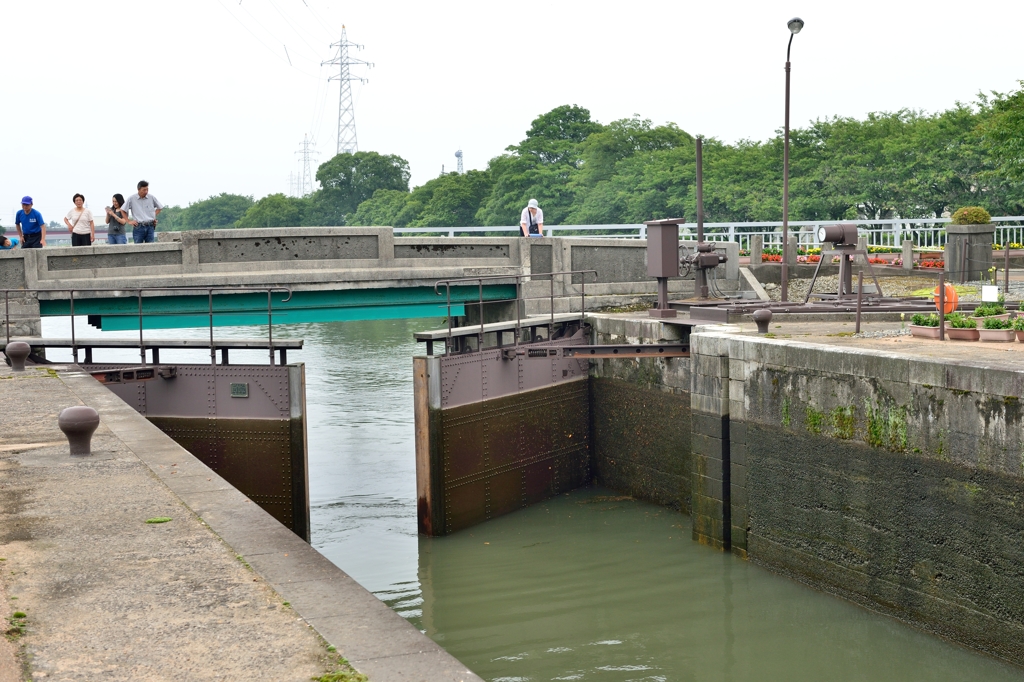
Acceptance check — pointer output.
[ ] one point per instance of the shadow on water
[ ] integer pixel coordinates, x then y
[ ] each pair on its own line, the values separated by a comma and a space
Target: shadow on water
587, 586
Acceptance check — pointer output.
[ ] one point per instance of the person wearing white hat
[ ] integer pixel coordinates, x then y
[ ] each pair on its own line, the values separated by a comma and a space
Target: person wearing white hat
532, 221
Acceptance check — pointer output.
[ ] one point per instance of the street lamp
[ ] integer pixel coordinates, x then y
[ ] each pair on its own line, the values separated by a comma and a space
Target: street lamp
795, 25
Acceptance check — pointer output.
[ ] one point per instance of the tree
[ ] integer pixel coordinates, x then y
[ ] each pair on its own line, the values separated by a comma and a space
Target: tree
382, 209
455, 200
220, 211
170, 219
1004, 133
348, 180
539, 167
275, 210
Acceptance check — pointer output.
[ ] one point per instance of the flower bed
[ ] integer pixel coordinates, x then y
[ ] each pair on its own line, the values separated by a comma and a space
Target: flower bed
932, 264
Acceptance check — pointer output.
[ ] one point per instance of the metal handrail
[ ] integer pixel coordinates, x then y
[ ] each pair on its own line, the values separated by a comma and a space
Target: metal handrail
447, 283
138, 291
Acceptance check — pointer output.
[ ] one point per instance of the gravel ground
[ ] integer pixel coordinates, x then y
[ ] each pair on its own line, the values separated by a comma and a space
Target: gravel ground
891, 286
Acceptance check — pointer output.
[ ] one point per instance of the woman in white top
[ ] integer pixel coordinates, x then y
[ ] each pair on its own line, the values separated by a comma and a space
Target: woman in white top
532, 220
79, 220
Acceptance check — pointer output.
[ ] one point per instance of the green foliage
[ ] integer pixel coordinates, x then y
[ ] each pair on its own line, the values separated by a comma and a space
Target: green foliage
216, 212
843, 422
1003, 134
971, 215
1018, 324
786, 418
814, 420
275, 210
996, 323
922, 320
348, 180
961, 321
159, 519
886, 426
989, 309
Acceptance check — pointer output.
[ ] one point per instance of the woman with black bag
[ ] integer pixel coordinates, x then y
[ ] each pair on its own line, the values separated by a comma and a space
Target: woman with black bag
531, 223
116, 220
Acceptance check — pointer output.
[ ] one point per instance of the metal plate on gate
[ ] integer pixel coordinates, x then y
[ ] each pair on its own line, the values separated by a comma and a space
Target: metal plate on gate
240, 390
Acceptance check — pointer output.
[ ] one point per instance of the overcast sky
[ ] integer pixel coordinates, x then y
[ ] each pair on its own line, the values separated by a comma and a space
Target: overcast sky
198, 97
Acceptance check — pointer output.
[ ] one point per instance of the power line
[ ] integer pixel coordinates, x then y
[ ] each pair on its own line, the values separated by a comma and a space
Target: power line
347, 140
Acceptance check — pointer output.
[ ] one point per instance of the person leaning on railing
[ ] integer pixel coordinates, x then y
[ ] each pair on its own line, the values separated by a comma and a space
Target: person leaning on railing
531, 223
8, 243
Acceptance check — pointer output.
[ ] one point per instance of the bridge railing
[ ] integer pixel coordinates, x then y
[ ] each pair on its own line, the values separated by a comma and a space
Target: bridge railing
139, 292
520, 297
926, 233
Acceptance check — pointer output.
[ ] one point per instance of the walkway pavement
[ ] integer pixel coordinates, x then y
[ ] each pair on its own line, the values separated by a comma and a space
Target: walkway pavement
204, 596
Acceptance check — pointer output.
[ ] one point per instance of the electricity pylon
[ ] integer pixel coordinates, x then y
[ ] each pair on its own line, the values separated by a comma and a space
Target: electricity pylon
347, 140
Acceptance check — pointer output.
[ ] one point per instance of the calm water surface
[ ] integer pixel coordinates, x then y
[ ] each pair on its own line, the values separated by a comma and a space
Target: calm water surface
588, 586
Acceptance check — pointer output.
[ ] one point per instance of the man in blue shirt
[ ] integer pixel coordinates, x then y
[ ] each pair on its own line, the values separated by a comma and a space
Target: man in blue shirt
30, 224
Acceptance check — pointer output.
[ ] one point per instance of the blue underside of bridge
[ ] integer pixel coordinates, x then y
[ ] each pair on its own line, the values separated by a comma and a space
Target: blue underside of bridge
230, 310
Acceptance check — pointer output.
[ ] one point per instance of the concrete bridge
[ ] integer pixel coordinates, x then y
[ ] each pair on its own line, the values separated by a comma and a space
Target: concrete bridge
335, 273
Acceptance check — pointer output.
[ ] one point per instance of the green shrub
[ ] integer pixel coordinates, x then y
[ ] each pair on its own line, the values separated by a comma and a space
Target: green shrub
961, 321
922, 320
988, 310
996, 323
1018, 324
971, 215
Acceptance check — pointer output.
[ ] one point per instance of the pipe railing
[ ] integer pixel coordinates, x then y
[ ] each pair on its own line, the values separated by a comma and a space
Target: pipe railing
924, 232
520, 297
138, 293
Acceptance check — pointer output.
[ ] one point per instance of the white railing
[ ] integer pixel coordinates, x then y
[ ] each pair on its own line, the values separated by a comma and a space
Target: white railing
926, 233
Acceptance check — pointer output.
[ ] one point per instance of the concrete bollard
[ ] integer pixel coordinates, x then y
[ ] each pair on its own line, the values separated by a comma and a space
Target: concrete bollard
789, 253
78, 424
18, 352
756, 249
908, 254
762, 317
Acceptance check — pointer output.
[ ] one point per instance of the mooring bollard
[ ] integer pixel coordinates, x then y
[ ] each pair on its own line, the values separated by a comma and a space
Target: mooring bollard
18, 352
762, 317
78, 424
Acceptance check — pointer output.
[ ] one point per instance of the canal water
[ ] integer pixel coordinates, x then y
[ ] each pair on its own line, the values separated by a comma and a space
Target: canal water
588, 586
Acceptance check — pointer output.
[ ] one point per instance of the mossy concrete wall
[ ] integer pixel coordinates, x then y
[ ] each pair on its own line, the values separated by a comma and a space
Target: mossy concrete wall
892, 480
640, 416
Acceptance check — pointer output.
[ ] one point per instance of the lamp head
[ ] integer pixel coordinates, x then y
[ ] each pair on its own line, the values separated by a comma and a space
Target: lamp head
795, 25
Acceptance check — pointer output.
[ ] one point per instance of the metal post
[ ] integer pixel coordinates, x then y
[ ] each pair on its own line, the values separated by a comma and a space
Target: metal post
448, 304
860, 295
270, 327
74, 346
7, 313
1006, 270
213, 350
519, 299
942, 306
963, 262
785, 188
551, 323
142, 347
701, 276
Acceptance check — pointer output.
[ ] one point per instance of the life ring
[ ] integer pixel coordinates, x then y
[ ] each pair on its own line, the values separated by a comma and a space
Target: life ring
952, 299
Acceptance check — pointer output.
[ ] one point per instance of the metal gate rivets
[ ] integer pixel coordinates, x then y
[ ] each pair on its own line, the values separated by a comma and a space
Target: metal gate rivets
18, 352
78, 424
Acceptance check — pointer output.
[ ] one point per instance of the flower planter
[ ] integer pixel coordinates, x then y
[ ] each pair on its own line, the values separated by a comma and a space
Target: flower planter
1020, 336
962, 334
981, 320
1002, 335
923, 332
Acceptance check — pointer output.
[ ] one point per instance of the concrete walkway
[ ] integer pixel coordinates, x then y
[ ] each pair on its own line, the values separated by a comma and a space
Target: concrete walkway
221, 592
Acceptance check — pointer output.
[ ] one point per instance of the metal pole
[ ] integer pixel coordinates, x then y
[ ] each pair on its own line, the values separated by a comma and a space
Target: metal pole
480, 295
963, 262
270, 327
7, 313
519, 300
142, 347
785, 187
860, 295
74, 346
701, 276
213, 349
1006, 270
942, 306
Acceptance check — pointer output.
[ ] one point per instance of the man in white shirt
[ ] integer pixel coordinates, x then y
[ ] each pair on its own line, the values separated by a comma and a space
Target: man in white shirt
532, 220
144, 210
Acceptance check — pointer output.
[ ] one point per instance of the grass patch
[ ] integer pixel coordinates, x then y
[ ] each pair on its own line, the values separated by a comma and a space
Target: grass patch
843, 422
785, 413
960, 289
843, 334
159, 519
19, 614
814, 420
344, 672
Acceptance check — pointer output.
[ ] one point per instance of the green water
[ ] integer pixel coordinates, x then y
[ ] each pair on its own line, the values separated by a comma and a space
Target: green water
587, 586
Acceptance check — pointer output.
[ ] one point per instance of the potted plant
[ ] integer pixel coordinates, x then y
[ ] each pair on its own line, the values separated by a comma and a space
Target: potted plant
997, 330
961, 327
925, 326
1018, 328
991, 310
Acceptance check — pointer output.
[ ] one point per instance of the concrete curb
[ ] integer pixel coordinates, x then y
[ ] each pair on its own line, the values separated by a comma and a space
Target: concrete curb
376, 640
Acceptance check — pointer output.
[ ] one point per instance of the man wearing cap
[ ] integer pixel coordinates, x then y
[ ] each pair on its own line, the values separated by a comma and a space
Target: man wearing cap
532, 220
30, 224
144, 210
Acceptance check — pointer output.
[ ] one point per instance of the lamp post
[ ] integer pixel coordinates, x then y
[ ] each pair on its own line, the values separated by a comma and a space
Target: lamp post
795, 25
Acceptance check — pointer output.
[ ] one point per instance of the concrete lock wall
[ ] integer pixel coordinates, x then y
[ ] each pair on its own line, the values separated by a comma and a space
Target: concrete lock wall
892, 481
